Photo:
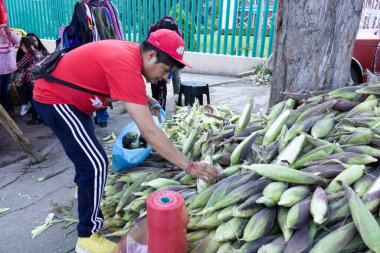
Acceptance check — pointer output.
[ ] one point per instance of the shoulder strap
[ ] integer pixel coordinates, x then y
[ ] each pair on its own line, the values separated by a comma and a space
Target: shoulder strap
51, 78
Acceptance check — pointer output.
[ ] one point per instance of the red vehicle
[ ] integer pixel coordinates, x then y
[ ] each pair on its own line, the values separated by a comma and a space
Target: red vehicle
366, 55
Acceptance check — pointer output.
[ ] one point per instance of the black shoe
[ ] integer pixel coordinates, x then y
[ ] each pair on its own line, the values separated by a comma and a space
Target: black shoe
34, 122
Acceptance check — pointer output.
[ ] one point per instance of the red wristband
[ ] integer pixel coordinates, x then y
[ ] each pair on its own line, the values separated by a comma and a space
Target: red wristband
190, 166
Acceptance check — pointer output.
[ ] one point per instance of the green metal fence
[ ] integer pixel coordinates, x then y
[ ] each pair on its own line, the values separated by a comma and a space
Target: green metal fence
233, 27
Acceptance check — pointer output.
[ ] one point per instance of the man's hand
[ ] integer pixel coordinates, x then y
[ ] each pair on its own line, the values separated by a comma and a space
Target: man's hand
204, 172
154, 108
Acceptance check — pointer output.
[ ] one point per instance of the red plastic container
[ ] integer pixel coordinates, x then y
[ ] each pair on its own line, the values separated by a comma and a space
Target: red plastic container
167, 222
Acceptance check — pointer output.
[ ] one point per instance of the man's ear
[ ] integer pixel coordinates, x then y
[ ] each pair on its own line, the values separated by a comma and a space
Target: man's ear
151, 54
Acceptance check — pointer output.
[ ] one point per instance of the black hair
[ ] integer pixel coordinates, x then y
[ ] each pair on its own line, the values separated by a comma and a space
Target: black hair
167, 24
162, 57
27, 42
40, 46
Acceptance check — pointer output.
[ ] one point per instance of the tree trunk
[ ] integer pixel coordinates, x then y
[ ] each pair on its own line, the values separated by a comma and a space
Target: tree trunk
313, 45
18, 136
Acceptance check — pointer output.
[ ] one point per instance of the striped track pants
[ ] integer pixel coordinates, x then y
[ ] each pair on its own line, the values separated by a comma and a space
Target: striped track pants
75, 131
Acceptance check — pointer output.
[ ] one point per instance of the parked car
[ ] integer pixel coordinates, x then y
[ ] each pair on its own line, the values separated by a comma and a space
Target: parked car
366, 55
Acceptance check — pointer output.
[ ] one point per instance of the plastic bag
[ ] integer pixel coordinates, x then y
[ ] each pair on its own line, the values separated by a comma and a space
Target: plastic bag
135, 241
123, 158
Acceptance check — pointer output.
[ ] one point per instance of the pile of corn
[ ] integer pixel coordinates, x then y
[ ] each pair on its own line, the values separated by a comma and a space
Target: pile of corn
302, 178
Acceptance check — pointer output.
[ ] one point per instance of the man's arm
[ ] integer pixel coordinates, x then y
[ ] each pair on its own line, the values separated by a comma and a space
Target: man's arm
163, 146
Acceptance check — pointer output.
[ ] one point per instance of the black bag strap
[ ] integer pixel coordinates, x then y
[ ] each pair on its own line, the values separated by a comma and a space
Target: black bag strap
54, 79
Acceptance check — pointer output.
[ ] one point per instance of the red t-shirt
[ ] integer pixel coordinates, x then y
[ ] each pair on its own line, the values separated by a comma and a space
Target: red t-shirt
110, 67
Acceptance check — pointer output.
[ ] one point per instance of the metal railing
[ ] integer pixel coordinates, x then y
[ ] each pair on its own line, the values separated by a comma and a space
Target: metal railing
233, 27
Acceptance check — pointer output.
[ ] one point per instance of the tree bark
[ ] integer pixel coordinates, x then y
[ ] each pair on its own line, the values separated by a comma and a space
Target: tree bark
15, 132
313, 45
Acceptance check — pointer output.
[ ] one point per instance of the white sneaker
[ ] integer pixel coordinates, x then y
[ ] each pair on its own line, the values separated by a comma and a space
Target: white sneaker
25, 108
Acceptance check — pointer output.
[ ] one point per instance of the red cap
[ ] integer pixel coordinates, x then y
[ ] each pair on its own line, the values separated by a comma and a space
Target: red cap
169, 42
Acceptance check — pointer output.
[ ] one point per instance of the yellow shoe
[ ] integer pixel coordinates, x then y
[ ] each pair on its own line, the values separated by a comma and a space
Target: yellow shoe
96, 243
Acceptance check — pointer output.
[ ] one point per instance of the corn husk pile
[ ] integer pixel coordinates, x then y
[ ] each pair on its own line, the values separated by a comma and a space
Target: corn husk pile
302, 178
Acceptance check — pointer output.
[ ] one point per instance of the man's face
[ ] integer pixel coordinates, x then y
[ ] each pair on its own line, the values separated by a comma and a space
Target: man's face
153, 71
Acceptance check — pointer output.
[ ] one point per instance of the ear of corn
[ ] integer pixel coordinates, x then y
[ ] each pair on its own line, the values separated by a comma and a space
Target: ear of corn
226, 247
260, 224
362, 107
363, 184
321, 151
316, 110
160, 182
244, 146
276, 111
364, 150
282, 214
207, 245
285, 174
347, 92
319, 206
293, 195
298, 214
276, 246
197, 235
210, 221
290, 153
225, 214
299, 242
338, 211
330, 170
348, 176
323, 127
254, 246
232, 229
365, 223
245, 117
275, 128
336, 240
272, 193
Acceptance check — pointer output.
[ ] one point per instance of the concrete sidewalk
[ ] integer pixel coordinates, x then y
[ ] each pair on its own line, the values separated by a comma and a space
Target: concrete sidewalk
30, 200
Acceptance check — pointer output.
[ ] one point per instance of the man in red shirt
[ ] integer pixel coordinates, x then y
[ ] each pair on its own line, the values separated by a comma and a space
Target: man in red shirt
116, 68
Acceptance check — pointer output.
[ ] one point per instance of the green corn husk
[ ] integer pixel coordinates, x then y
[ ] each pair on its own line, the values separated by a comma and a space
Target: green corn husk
248, 207
160, 182
300, 241
272, 193
338, 211
276, 246
372, 89
293, 195
207, 245
298, 214
226, 247
197, 150
349, 176
275, 111
232, 229
282, 214
260, 224
201, 199
128, 194
323, 127
210, 221
355, 245
321, 151
316, 110
336, 240
365, 223
243, 147
226, 213
285, 174
358, 138
241, 193
197, 235
327, 171
364, 184
345, 157
294, 115
245, 117
374, 152
290, 153
193, 222
319, 206
362, 107
188, 143
275, 128
299, 127
347, 93
254, 246
224, 189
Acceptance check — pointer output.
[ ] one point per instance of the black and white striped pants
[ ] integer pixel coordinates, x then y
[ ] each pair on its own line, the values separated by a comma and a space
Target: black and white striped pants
75, 131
